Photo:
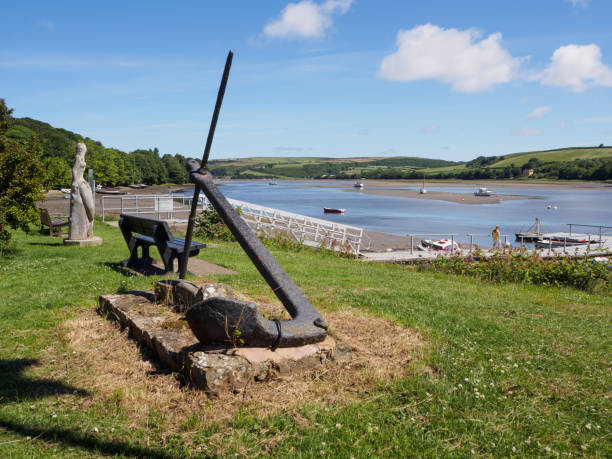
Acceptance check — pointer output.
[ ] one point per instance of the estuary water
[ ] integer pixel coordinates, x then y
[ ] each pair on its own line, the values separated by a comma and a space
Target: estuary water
402, 216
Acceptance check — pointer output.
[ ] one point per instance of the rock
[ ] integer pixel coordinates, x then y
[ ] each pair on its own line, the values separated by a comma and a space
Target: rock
218, 373
183, 294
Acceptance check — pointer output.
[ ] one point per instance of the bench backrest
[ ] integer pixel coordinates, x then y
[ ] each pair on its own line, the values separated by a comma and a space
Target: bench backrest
45, 218
157, 229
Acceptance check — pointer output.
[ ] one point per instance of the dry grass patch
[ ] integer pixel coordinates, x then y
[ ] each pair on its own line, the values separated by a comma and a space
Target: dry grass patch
122, 376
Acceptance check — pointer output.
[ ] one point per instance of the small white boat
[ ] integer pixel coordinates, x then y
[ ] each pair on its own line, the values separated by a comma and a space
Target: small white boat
358, 184
65, 190
272, 182
482, 191
423, 190
443, 244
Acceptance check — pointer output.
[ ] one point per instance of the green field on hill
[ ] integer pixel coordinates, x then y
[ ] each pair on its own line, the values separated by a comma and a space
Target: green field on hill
562, 154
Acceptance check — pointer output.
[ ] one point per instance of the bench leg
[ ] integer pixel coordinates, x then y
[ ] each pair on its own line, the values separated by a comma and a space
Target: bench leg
135, 260
169, 263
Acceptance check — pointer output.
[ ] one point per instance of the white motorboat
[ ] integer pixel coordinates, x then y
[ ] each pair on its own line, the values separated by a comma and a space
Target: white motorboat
483, 191
358, 184
445, 245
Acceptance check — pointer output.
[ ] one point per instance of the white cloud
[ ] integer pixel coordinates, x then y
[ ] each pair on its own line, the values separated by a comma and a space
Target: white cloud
306, 19
582, 3
539, 112
576, 66
526, 132
451, 56
430, 129
565, 123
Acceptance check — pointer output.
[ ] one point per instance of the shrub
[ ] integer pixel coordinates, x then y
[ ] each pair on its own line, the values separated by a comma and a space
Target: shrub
209, 225
528, 267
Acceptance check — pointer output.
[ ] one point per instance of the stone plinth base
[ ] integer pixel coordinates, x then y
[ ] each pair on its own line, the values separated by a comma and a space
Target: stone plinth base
95, 240
217, 369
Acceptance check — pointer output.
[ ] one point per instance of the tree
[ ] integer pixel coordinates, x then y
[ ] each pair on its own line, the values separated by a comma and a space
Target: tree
21, 175
56, 172
177, 173
151, 167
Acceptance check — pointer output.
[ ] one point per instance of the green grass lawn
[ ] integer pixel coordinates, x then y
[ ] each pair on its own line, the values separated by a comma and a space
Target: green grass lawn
517, 370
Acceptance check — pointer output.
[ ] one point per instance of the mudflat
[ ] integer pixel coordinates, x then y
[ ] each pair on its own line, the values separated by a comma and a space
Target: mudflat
461, 198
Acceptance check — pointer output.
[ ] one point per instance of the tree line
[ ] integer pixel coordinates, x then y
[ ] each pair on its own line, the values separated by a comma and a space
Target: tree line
112, 167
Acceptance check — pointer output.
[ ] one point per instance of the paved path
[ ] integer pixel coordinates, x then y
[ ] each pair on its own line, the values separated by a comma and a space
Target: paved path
592, 250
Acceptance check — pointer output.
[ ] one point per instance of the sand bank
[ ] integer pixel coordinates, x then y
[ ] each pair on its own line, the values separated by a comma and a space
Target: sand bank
461, 198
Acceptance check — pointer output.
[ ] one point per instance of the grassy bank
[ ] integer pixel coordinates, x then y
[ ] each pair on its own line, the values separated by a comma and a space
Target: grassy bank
511, 369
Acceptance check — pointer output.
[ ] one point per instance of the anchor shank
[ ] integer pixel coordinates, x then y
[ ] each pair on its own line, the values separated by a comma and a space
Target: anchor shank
284, 288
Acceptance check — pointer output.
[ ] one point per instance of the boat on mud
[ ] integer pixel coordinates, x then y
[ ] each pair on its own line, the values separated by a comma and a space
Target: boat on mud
483, 191
107, 190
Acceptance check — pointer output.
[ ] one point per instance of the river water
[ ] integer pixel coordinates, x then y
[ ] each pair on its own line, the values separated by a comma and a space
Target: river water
402, 216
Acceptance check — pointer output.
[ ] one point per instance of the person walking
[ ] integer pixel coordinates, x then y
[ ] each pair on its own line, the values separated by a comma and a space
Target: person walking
496, 235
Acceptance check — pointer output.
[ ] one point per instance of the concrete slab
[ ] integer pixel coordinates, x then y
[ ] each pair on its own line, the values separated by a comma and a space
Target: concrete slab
94, 241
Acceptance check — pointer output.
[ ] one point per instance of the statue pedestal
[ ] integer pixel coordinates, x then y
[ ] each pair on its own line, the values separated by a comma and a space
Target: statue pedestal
95, 240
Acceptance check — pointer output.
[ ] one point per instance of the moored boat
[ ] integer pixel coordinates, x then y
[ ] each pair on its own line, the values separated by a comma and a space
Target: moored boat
108, 190
358, 184
556, 242
483, 191
423, 190
533, 233
442, 244
329, 210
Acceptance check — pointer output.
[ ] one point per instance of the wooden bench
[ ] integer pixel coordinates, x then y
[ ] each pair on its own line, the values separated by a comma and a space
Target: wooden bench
145, 232
52, 223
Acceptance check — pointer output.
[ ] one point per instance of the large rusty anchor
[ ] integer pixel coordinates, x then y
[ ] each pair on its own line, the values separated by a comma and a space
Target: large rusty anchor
218, 319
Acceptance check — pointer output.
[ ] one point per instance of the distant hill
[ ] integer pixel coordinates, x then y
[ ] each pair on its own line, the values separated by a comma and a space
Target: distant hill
558, 155
321, 168
56, 142
114, 167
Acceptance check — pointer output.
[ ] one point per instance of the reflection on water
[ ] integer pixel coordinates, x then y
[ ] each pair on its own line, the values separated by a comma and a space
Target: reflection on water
402, 216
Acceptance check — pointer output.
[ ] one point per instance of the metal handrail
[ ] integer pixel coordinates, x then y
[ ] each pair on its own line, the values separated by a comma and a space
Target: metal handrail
472, 236
588, 226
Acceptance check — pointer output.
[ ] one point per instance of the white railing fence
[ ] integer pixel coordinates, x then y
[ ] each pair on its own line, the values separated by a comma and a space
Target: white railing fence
266, 221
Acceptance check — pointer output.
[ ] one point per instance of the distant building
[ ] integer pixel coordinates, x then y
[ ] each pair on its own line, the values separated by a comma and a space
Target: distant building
527, 172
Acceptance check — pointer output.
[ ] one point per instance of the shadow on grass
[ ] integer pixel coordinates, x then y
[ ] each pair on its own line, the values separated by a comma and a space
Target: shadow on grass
144, 270
14, 386
77, 439
55, 243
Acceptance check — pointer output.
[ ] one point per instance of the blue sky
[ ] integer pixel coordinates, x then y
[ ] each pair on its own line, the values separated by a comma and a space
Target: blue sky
339, 78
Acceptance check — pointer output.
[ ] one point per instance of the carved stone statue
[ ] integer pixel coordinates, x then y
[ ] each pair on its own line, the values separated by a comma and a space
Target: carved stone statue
82, 209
